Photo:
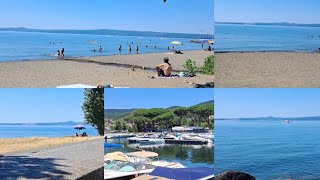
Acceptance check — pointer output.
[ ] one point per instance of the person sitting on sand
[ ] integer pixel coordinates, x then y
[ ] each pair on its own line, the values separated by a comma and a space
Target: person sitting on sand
165, 69
77, 135
209, 48
84, 134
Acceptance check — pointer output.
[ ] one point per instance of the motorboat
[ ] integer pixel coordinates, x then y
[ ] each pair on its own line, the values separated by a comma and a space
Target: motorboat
120, 165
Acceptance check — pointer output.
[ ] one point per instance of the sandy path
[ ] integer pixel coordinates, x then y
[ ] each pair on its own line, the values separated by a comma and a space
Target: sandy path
267, 69
69, 161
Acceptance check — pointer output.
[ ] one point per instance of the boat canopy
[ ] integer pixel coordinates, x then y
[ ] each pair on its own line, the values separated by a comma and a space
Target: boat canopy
116, 156
143, 154
184, 173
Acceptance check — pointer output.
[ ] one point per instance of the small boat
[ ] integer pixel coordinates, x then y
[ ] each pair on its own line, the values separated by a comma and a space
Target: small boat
120, 165
286, 122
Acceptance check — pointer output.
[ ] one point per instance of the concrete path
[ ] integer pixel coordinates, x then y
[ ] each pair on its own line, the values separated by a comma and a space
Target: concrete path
69, 161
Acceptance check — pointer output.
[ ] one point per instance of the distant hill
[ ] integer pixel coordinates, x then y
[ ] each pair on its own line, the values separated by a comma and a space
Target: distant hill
114, 32
120, 113
271, 24
207, 102
68, 123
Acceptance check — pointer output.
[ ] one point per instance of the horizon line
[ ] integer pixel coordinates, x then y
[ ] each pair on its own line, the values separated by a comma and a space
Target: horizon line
146, 31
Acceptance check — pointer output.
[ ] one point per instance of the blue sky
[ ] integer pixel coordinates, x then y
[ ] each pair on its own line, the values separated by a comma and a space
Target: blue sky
143, 15
294, 11
41, 105
239, 103
155, 98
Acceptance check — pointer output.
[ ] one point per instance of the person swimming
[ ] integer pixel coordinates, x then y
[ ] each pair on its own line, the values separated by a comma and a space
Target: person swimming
100, 48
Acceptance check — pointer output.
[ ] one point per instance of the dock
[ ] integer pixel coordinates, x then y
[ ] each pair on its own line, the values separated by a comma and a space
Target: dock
119, 136
70, 161
189, 142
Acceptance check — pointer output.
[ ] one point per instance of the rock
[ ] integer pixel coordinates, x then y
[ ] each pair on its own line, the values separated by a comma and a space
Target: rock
234, 175
207, 85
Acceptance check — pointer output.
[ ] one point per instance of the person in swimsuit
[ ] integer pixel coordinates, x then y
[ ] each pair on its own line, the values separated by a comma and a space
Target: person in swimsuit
165, 69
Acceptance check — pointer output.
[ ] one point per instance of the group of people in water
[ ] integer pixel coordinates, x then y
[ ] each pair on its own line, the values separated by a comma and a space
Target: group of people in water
60, 53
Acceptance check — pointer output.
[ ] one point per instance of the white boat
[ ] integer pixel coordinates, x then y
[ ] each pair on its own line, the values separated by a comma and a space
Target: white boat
120, 165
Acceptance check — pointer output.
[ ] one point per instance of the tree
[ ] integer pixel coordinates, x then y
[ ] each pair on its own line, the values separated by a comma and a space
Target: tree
93, 108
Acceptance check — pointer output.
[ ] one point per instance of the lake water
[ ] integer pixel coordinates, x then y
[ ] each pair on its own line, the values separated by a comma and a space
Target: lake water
18, 46
269, 149
266, 38
189, 156
22, 131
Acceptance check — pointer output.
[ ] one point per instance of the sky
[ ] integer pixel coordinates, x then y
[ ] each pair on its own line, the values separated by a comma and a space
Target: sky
242, 103
292, 11
155, 98
41, 105
180, 16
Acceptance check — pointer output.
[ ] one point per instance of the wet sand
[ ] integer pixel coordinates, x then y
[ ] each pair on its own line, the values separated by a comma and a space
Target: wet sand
267, 69
9, 145
121, 71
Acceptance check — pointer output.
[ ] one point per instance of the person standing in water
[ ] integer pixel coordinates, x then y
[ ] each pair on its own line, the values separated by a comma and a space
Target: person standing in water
137, 50
58, 53
62, 52
130, 49
100, 49
120, 49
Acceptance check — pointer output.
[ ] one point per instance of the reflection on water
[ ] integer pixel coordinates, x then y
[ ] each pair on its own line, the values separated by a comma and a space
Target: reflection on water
188, 155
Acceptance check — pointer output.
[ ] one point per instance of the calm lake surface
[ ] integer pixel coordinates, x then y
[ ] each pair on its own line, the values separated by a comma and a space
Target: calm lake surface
189, 156
18, 46
269, 149
230, 37
22, 131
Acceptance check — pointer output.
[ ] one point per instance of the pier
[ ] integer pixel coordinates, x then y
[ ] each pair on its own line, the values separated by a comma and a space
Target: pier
189, 142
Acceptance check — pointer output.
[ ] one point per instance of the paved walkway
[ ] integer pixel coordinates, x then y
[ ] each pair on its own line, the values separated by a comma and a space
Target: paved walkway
63, 162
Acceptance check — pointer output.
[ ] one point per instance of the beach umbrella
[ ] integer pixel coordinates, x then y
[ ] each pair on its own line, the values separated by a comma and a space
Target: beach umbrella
79, 126
176, 43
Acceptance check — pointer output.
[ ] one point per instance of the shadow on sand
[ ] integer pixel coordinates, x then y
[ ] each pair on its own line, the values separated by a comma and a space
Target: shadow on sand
14, 167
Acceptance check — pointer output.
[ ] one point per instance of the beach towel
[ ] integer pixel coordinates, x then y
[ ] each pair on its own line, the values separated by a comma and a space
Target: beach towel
76, 86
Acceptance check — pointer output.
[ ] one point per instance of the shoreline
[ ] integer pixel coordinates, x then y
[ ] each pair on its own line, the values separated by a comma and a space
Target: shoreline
266, 51
16, 145
93, 56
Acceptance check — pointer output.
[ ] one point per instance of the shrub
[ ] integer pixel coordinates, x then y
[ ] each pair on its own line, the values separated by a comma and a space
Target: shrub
208, 67
190, 66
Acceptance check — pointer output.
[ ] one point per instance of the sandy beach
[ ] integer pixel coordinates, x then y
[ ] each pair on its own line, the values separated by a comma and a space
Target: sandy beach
9, 145
267, 69
117, 70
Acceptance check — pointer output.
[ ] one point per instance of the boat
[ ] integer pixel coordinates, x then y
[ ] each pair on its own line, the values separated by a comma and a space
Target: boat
286, 122
120, 165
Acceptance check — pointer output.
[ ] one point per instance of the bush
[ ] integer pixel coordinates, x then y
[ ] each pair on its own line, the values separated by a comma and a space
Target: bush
190, 66
208, 67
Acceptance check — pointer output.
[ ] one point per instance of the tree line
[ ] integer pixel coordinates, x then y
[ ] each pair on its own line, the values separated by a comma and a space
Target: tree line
156, 119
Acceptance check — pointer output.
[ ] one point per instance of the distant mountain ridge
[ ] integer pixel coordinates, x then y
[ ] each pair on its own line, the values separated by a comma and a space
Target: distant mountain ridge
273, 118
67, 123
115, 32
123, 112
271, 24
